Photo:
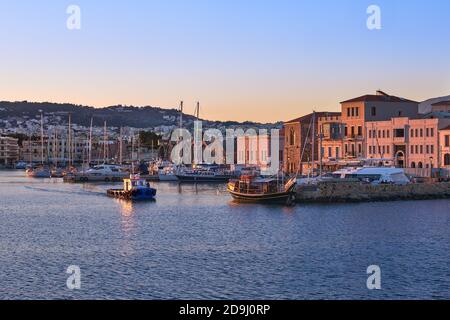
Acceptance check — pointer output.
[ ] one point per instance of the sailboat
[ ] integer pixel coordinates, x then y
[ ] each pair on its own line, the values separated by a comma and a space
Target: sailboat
42, 171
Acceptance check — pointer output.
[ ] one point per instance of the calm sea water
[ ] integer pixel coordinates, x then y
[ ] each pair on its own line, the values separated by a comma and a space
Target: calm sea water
195, 243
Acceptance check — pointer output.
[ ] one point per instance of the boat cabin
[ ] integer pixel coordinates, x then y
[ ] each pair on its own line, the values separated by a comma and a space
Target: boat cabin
130, 184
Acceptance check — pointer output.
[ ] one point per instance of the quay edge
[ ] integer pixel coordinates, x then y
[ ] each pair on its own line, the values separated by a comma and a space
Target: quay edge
341, 192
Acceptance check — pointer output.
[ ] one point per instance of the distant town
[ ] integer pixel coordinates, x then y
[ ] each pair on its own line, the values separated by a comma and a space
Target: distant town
378, 128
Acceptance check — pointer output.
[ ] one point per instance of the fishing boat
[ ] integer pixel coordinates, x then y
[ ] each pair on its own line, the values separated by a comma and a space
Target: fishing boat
134, 189
265, 190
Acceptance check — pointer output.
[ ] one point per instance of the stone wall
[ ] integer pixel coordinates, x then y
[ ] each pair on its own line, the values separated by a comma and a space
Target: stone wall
358, 192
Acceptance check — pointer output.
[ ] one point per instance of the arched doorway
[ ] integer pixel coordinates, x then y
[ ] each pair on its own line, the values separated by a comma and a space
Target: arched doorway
420, 165
400, 159
413, 165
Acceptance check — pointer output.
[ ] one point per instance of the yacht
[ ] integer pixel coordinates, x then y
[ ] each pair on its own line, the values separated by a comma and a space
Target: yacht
104, 172
167, 173
374, 175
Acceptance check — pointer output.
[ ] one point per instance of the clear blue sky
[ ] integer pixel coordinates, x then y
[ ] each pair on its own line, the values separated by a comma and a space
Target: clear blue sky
248, 59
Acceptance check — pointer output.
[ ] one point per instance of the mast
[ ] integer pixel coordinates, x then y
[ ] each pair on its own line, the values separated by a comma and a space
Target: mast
313, 142
321, 149
69, 142
55, 149
90, 144
181, 115
42, 138
104, 143
29, 149
120, 147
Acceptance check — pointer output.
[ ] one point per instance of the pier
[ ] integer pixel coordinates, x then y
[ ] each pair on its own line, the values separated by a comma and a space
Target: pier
351, 191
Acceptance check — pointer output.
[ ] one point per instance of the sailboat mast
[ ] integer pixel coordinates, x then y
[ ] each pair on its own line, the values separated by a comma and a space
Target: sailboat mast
104, 143
313, 147
42, 138
90, 143
121, 146
181, 115
69, 142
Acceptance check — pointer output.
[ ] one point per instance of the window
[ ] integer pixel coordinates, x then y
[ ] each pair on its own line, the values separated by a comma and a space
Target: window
359, 148
399, 133
337, 152
400, 113
432, 149
413, 165
388, 132
379, 133
421, 132
357, 112
428, 149
346, 131
353, 131
292, 137
421, 149
417, 133
370, 149
359, 131
329, 152
384, 134
447, 141
432, 132
420, 165
373, 111
370, 134
384, 149
427, 132
412, 134
348, 112
346, 148
353, 112
417, 149
388, 149
447, 159
412, 149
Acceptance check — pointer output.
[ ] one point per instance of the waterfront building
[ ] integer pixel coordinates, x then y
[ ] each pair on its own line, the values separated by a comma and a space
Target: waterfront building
256, 149
358, 112
444, 147
443, 106
330, 141
414, 144
298, 137
9, 151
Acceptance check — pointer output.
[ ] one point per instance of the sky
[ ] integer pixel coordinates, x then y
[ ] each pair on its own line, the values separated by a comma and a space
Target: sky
255, 60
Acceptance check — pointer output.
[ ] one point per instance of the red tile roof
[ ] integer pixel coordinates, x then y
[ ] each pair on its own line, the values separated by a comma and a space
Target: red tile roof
381, 98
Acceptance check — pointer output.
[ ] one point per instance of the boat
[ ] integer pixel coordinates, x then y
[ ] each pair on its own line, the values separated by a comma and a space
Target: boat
374, 175
204, 175
264, 190
134, 189
167, 173
40, 172
100, 173
21, 165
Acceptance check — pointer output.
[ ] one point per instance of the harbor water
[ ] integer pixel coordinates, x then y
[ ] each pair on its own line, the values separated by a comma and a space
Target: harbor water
194, 242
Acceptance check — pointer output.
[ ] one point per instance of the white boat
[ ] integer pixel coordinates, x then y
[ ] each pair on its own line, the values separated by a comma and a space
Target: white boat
374, 175
167, 174
102, 172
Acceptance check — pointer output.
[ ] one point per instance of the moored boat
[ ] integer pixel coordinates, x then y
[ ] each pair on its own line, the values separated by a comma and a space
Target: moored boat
134, 189
266, 190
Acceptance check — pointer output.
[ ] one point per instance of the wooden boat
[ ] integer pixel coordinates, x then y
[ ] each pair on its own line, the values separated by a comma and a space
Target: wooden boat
134, 189
266, 190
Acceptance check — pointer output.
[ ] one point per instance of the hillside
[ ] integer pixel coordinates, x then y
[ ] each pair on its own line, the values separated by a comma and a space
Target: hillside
138, 117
